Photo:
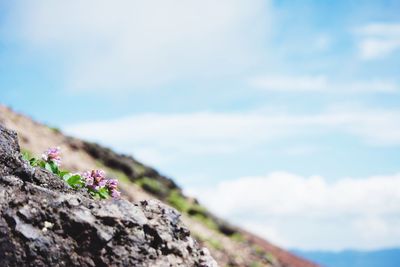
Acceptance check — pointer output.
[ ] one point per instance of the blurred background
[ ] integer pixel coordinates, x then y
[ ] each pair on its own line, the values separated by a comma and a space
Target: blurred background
281, 116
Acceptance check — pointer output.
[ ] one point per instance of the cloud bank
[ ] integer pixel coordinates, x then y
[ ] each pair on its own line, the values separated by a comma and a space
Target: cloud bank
151, 135
378, 40
347, 213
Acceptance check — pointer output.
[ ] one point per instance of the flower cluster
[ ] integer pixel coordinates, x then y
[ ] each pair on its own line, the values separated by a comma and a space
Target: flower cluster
112, 185
52, 154
95, 181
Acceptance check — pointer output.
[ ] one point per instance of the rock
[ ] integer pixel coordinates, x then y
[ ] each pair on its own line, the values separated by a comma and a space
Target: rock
45, 223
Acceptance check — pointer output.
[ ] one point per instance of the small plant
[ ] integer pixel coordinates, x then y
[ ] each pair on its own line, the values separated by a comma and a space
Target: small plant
95, 181
97, 184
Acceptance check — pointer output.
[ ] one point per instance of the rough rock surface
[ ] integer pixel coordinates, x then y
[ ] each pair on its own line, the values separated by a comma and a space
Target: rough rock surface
45, 223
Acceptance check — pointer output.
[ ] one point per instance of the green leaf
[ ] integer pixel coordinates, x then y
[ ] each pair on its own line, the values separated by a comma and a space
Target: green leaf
65, 175
33, 162
51, 166
94, 194
41, 163
26, 156
103, 193
47, 166
75, 181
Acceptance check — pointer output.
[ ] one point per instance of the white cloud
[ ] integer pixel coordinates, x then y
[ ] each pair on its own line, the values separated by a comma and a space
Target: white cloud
381, 29
372, 48
311, 212
184, 134
378, 40
321, 83
123, 44
164, 138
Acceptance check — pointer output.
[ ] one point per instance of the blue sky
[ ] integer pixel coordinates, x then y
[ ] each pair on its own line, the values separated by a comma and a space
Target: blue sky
280, 100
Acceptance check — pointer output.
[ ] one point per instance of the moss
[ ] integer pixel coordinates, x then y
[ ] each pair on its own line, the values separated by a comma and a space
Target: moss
207, 221
176, 200
214, 243
256, 264
55, 129
238, 237
210, 242
259, 250
197, 209
151, 185
270, 258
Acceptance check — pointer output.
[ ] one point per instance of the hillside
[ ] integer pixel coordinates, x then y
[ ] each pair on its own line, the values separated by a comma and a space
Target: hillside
229, 245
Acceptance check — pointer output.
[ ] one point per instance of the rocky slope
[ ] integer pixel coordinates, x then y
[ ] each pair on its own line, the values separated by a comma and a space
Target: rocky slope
229, 245
45, 223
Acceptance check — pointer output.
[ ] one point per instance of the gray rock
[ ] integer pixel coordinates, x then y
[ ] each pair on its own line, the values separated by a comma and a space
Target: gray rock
45, 223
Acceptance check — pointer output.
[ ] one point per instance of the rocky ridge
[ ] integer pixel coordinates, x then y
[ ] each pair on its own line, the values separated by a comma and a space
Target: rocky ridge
45, 223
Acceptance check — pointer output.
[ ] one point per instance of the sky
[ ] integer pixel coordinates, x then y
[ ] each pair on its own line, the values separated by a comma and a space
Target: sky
281, 116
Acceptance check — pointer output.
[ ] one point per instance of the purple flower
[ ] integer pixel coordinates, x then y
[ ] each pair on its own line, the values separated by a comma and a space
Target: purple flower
95, 179
87, 178
112, 184
115, 193
102, 183
52, 154
99, 174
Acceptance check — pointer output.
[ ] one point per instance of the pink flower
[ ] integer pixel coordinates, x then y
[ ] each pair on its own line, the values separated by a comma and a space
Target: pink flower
95, 179
102, 183
52, 154
115, 193
98, 174
112, 184
87, 178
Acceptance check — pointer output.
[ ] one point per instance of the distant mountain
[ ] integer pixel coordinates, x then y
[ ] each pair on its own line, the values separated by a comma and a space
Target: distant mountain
352, 258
